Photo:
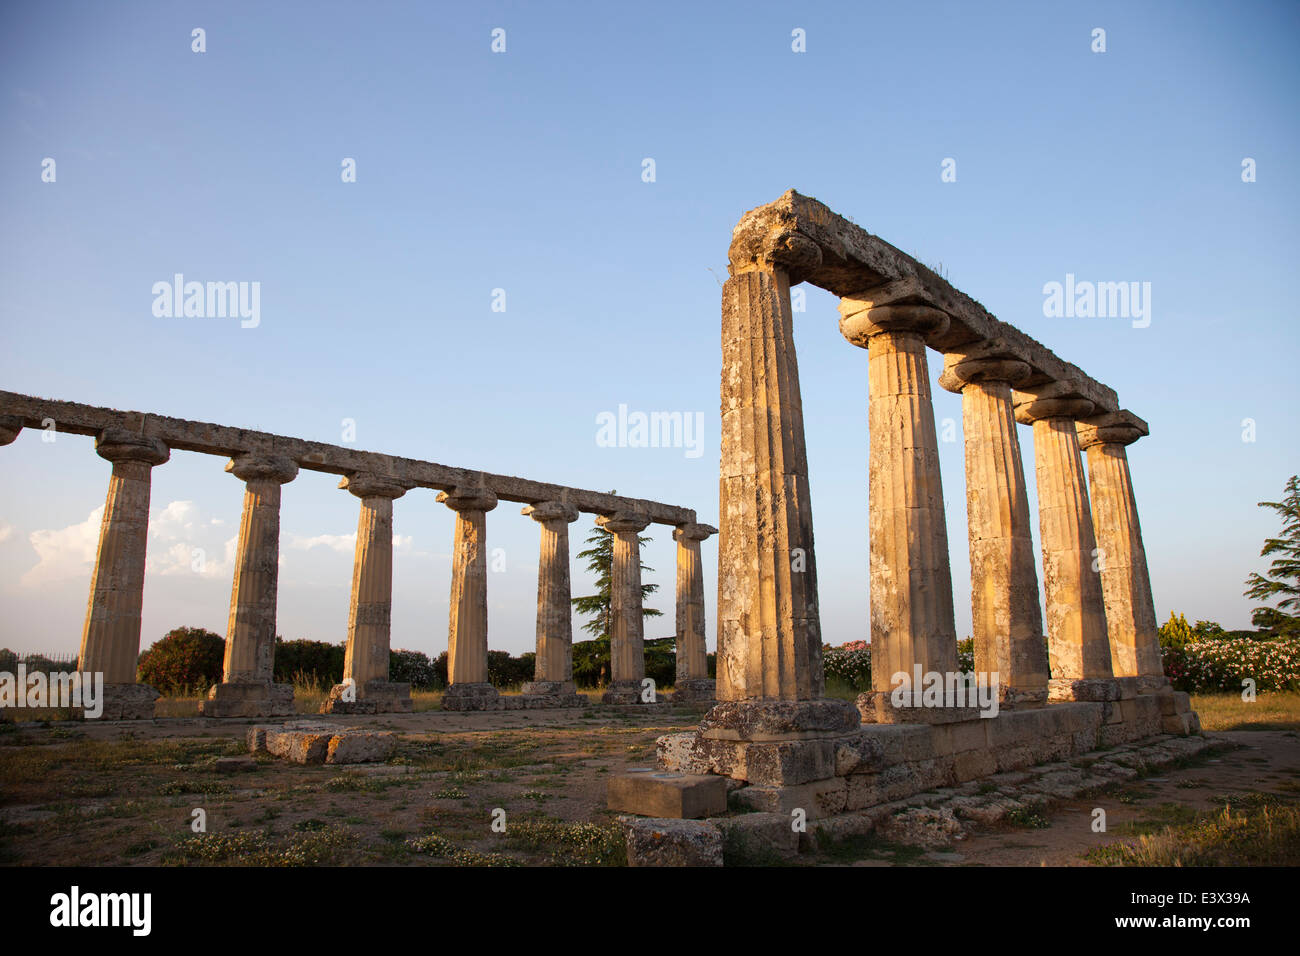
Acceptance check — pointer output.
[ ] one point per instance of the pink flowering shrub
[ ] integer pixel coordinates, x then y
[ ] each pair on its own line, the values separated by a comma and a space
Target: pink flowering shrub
1221, 665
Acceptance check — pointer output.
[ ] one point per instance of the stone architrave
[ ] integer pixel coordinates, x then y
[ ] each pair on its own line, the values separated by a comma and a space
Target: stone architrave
626, 621
1125, 582
912, 623
552, 682
1077, 641
10, 426
467, 639
110, 642
692, 681
247, 687
1007, 620
366, 687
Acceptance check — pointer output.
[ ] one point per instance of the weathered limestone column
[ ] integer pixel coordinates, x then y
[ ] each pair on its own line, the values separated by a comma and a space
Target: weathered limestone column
770, 680
110, 642
1078, 647
626, 622
1125, 583
692, 681
552, 683
366, 688
247, 688
911, 582
1007, 621
467, 638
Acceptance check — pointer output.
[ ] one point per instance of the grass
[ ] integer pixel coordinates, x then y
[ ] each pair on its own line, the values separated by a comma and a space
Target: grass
1260, 830
1271, 710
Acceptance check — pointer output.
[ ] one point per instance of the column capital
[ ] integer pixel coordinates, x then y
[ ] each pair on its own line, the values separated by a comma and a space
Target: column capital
544, 511
1057, 399
1116, 428
10, 426
263, 468
986, 362
769, 250
118, 444
861, 319
467, 498
624, 521
369, 485
694, 532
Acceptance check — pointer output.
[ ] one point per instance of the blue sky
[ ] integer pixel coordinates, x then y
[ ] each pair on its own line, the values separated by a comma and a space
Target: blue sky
522, 171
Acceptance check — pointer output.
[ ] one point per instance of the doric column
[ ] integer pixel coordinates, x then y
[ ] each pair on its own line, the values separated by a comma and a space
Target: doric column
770, 680
626, 621
366, 687
1007, 621
247, 688
1078, 647
467, 637
553, 674
692, 681
911, 582
1125, 583
110, 642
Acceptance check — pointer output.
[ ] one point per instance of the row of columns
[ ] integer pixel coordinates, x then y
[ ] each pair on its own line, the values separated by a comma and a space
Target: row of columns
110, 641
1101, 638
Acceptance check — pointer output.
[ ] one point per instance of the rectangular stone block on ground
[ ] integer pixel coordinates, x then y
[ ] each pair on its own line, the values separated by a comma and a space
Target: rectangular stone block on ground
667, 794
667, 842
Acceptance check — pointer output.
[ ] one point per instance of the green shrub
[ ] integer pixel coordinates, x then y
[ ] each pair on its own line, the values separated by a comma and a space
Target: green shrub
309, 662
412, 667
186, 659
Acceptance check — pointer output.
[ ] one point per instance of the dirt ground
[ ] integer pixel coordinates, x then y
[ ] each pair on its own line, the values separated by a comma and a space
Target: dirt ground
127, 794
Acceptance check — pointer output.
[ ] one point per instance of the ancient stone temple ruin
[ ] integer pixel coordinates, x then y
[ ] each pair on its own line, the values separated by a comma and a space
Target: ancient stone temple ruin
1093, 679
136, 443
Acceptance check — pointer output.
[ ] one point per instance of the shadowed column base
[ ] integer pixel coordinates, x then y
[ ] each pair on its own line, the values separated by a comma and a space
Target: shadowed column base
251, 699
128, 702
695, 690
476, 696
623, 692
374, 697
550, 693
1096, 688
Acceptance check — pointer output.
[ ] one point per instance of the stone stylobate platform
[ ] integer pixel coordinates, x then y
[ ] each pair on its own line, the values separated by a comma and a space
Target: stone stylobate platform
136, 442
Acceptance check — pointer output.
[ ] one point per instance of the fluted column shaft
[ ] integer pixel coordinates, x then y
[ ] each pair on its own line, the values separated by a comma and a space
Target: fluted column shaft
769, 631
110, 641
370, 612
626, 621
1078, 646
554, 666
1007, 620
1125, 582
250, 632
911, 580
467, 634
692, 650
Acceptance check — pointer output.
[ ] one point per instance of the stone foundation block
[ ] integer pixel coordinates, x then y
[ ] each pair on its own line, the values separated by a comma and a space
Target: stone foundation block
962, 737
975, 763
822, 798
863, 752
375, 697
261, 699
667, 794
758, 837
1091, 689
679, 753
779, 719
316, 742
478, 696
672, 842
128, 702
1182, 724
1176, 702
623, 693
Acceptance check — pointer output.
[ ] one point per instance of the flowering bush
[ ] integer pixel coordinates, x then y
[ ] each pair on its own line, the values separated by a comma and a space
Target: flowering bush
1221, 665
849, 663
